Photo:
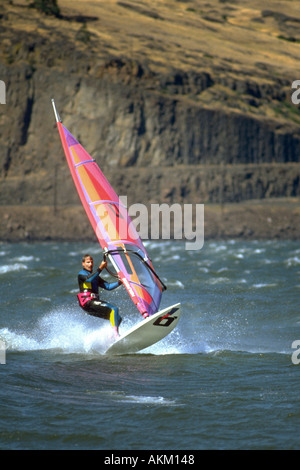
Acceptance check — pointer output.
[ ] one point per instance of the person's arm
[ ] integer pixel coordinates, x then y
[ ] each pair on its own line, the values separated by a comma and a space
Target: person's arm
104, 284
110, 285
102, 266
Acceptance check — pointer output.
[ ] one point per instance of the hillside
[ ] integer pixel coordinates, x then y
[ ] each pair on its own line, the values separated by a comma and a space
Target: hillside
178, 101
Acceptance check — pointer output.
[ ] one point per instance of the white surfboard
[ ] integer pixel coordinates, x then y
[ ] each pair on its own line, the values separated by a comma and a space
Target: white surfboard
147, 332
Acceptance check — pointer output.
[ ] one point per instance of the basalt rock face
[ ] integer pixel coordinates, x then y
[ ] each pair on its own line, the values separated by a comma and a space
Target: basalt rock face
156, 134
167, 146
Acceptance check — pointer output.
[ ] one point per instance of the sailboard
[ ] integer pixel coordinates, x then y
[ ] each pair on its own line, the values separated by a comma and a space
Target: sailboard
112, 225
147, 332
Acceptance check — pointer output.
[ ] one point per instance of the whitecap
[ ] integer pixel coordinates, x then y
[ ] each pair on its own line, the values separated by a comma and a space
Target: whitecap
149, 400
219, 248
18, 341
98, 340
202, 269
75, 253
267, 261
258, 251
218, 280
67, 332
259, 286
221, 270
176, 284
293, 261
27, 258
39, 298
151, 244
12, 267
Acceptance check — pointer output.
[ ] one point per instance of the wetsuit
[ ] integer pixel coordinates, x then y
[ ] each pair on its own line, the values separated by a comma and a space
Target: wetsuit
88, 297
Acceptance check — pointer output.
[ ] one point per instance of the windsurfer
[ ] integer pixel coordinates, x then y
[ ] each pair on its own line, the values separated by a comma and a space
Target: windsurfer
88, 297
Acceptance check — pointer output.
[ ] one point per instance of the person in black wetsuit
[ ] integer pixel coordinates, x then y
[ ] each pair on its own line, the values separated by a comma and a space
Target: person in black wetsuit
88, 297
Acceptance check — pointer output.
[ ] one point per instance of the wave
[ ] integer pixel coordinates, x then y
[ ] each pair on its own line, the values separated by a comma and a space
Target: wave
76, 333
148, 400
7, 268
293, 261
63, 331
26, 258
69, 331
261, 285
76, 337
176, 283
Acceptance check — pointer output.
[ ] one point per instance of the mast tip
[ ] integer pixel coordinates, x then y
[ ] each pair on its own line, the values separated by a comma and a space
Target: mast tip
55, 111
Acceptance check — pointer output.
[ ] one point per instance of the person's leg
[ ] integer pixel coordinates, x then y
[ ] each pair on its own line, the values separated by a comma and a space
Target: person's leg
114, 317
104, 310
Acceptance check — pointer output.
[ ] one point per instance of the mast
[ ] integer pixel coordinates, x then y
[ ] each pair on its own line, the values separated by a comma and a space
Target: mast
57, 117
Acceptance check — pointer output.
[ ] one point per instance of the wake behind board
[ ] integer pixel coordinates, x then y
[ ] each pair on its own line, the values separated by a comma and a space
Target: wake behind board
147, 332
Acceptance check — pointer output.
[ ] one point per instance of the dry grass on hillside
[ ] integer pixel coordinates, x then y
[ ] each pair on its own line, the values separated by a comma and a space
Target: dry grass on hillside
234, 36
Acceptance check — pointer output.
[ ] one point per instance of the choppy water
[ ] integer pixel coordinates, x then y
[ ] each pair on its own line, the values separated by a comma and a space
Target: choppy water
224, 379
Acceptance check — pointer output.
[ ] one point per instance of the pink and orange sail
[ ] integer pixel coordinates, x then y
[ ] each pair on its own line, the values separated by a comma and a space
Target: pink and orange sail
113, 227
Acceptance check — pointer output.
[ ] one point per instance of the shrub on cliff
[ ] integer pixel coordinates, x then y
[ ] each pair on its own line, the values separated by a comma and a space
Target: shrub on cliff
49, 7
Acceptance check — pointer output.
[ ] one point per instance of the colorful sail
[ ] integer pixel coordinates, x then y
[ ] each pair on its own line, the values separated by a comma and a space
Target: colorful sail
112, 225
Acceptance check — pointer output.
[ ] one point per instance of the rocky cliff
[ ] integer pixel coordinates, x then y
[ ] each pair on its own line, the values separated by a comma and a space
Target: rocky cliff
183, 102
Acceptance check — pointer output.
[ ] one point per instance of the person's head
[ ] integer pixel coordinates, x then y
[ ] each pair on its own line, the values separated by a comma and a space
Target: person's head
87, 262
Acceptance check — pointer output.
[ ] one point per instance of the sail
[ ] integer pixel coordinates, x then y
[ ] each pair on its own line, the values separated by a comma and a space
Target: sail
112, 225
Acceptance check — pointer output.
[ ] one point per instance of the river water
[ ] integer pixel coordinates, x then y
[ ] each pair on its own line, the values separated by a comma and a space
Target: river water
226, 378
